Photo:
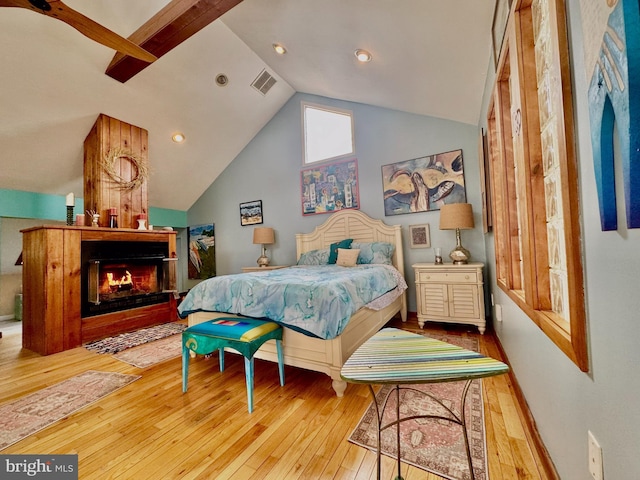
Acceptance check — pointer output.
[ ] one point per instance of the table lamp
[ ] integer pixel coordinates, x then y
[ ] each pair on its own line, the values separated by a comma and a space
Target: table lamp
457, 216
263, 236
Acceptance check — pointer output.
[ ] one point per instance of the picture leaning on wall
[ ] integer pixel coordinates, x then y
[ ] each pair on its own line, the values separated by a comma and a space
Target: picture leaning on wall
202, 254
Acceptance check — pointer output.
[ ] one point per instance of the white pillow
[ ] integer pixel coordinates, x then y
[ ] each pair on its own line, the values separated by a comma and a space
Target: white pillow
347, 257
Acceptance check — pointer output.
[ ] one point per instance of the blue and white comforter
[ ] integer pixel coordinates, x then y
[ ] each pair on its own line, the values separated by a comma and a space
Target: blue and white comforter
317, 300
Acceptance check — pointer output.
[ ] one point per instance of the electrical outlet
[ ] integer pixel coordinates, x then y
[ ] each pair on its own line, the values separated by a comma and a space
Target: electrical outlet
595, 458
498, 308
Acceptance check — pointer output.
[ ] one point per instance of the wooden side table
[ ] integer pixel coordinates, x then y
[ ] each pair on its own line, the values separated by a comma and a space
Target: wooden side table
450, 293
398, 357
262, 269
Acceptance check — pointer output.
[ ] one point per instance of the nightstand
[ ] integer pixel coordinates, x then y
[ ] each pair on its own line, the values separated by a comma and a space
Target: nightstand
261, 269
450, 293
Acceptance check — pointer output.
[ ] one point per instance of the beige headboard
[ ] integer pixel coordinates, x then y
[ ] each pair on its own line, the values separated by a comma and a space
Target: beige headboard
352, 224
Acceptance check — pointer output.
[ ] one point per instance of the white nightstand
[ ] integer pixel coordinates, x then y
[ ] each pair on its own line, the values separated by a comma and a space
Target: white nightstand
450, 293
259, 269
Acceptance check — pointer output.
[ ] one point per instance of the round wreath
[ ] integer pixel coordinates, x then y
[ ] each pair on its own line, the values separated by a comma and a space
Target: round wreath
140, 169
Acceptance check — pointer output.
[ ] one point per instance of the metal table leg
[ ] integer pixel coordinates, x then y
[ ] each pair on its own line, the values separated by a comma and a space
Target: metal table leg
461, 420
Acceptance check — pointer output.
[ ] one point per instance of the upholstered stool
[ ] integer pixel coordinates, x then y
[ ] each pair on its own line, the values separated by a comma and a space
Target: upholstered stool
246, 335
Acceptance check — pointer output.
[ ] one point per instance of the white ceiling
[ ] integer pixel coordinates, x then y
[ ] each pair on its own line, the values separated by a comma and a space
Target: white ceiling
430, 57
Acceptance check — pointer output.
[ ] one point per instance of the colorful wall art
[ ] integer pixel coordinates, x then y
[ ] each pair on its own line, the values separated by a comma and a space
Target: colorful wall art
423, 184
612, 59
202, 254
251, 213
331, 187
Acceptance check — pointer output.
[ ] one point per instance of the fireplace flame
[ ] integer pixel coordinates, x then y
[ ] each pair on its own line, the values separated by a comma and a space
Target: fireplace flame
124, 280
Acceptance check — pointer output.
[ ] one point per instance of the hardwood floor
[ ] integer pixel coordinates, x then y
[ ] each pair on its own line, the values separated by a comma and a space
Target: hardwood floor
151, 430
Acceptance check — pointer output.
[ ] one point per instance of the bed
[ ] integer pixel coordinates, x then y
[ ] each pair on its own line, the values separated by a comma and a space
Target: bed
328, 356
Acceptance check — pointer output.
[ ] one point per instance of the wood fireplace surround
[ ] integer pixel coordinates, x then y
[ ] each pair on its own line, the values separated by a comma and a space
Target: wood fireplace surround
54, 276
52, 285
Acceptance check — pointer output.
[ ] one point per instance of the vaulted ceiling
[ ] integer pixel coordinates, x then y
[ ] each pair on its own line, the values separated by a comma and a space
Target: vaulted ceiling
430, 57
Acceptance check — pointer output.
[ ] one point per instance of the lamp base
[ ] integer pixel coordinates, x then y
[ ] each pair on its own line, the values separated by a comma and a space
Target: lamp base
460, 256
263, 261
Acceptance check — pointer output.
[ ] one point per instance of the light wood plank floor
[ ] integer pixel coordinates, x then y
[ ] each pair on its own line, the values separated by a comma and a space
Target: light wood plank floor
150, 430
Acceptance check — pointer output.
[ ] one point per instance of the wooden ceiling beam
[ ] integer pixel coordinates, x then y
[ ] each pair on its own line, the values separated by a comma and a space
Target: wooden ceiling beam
176, 22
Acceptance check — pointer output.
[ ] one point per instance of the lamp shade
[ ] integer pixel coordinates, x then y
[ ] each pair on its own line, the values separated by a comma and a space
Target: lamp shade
263, 236
456, 215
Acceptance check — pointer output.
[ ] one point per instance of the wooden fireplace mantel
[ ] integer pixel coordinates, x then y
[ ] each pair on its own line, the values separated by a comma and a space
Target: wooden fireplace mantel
52, 320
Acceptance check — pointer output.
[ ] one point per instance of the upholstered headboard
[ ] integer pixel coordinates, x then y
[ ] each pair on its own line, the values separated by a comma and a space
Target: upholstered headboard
356, 225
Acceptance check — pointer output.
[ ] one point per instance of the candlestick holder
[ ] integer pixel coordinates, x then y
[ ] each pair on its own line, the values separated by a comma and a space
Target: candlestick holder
69, 215
438, 255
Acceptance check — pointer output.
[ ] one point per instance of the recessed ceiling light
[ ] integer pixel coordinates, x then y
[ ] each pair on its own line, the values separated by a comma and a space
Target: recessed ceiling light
222, 80
362, 55
280, 50
178, 137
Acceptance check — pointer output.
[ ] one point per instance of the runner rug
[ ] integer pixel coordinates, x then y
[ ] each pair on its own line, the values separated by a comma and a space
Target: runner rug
151, 353
436, 446
132, 339
32, 413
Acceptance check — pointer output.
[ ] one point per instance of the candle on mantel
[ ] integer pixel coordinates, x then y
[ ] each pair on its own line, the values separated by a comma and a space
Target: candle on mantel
70, 200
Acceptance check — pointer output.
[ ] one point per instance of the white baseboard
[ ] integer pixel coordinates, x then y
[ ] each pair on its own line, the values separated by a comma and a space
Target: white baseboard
7, 317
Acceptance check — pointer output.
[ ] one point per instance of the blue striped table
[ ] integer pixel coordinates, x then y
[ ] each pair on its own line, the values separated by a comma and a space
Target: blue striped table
398, 357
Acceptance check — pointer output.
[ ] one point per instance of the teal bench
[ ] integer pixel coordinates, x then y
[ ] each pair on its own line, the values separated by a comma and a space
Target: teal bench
246, 335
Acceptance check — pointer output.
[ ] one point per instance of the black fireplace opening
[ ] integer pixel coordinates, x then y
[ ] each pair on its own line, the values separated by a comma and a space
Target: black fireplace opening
123, 275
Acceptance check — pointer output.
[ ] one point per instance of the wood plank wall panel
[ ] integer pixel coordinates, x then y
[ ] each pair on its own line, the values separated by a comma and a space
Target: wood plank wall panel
101, 192
33, 274
72, 326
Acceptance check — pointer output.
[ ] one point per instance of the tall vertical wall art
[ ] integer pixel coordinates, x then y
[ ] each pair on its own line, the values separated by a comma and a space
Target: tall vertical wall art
612, 58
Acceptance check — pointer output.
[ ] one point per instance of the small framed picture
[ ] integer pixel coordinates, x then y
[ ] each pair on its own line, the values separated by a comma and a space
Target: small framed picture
251, 213
419, 236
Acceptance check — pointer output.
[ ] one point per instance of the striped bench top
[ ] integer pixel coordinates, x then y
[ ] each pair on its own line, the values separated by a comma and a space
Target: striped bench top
399, 357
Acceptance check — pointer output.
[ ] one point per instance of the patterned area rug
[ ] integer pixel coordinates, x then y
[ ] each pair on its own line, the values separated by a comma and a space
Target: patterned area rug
430, 444
149, 354
132, 339
32, 413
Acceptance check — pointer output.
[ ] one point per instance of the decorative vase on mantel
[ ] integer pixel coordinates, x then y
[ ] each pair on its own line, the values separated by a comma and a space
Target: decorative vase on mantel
142, 221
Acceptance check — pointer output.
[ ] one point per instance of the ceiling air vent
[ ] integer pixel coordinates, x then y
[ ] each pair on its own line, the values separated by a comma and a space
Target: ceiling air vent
263, 82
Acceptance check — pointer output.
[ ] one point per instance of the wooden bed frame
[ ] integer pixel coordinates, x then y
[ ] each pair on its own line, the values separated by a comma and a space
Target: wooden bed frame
328, 356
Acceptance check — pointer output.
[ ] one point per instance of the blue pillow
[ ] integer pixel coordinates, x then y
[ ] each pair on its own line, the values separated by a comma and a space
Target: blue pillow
315, 257
375, 252
333, 249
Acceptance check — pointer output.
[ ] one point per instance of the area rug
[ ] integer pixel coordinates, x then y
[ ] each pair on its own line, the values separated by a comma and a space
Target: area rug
132, 339
151, 353
430, 444
32, 413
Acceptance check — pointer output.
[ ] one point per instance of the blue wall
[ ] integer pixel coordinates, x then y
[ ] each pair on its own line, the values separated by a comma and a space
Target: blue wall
20, 204
565, 402
268, 169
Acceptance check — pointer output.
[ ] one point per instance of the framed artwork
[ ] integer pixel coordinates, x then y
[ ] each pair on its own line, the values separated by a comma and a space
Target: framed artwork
202, 253
251, 213
419, 236
611, 35
331, 187
498, 26
423, 184
485, 184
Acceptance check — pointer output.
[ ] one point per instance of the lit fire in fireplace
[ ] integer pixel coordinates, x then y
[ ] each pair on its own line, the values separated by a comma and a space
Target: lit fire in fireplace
125, 282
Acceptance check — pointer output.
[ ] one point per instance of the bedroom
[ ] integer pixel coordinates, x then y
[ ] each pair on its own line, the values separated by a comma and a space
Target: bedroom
611, 258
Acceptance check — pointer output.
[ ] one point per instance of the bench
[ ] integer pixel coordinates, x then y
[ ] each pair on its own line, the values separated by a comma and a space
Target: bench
245, 335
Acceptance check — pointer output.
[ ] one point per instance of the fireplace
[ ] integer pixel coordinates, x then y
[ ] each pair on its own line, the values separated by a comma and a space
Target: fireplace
123, 275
